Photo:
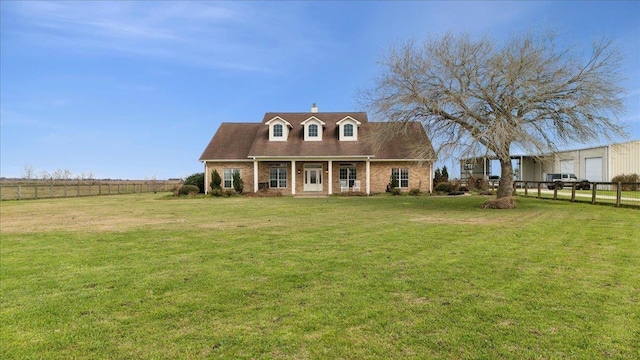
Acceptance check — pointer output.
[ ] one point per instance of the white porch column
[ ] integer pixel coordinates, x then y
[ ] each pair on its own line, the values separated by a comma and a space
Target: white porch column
293, 177
255, 175
330, 180
368, 172
206, 179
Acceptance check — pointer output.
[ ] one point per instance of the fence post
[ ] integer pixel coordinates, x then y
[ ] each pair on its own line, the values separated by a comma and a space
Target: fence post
573, 192
555, 193
36, 191
619, 195
526, 189
78, 189
19, 192
593, 193
514, 189
539, 190
99, 189
51, 190
89, 189
65, 190
109, 188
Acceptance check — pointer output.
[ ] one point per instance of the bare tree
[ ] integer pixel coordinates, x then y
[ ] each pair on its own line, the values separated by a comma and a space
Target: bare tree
28, 173
46, 176
478, 98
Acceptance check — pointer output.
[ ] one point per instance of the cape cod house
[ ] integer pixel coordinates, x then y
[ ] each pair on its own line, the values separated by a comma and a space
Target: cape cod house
317, 153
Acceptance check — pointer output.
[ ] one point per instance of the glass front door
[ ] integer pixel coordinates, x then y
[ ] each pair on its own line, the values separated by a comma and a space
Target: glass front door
313, 178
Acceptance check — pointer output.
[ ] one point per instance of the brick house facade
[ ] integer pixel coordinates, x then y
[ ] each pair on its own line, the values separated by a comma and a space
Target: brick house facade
318, 153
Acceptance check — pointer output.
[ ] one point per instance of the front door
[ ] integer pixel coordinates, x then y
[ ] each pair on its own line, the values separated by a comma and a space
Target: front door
313, 177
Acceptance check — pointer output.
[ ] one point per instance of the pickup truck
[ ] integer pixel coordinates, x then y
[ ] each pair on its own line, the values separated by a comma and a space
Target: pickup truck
560, 180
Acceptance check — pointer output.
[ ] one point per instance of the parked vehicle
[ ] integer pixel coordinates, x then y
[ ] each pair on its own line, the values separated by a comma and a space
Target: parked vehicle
560, 180
493, 180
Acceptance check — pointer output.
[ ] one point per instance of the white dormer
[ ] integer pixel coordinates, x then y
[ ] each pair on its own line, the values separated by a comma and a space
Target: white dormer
313, 129
348, 129
278, 129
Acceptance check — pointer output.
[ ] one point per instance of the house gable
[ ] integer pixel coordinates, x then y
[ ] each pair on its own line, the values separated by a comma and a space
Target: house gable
348, 129
313, 129
278, 129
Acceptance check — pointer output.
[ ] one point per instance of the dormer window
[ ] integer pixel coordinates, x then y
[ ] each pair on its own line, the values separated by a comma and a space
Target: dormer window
313, 129
278, 129
348, 129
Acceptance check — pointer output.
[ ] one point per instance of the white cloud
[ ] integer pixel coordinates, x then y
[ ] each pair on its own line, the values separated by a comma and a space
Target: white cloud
245, 36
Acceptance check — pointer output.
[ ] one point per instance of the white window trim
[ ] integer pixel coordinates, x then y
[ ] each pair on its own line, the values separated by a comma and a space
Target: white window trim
399, 177
286, 126
230, 171
348, 120
313, 121
278, 179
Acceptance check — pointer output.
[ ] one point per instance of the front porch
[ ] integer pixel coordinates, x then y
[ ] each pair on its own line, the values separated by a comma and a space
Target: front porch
319, 177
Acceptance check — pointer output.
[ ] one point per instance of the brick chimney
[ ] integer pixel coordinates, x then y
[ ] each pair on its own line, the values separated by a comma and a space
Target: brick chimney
314, 108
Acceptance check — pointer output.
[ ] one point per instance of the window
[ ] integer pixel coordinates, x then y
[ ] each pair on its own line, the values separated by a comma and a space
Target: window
278, 177
277, 130
227, 182
348, 130
348, 174
313, 130
403, 177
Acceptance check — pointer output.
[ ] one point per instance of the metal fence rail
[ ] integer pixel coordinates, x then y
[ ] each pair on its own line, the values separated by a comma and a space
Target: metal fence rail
617, 194
40, 190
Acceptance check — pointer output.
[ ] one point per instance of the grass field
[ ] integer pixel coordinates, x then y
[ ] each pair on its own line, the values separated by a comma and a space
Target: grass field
145, 276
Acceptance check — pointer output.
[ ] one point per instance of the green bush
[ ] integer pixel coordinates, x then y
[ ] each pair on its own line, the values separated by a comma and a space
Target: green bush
196, 179
629, 182
216, 180
188, 190
230, 193
238, 184
393, 183
444, 187
396, 192
216, 192
415, 192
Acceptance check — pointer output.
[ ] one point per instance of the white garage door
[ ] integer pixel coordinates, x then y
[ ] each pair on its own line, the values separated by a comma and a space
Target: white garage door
593, 169
566, 166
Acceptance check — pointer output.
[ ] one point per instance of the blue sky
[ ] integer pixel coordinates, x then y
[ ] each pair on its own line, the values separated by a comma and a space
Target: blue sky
136, 90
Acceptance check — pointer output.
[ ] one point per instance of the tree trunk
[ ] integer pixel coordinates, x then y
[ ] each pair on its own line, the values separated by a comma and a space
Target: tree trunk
505, 188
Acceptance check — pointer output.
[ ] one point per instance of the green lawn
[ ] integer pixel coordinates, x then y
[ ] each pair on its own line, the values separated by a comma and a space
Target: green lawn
142, 276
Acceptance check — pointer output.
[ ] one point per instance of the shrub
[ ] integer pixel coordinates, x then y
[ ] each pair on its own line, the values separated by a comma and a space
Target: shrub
265, 193
502, 203
415, 192
216, 192
216, 180
478, 183
238, 184
629, 182
464, 188
393, 183
444, 187
230, 193
351, 193
396, 192
196, 179
189, 190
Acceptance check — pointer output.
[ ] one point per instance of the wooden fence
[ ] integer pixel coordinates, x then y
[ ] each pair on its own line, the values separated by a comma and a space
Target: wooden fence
617, 194
63, 189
